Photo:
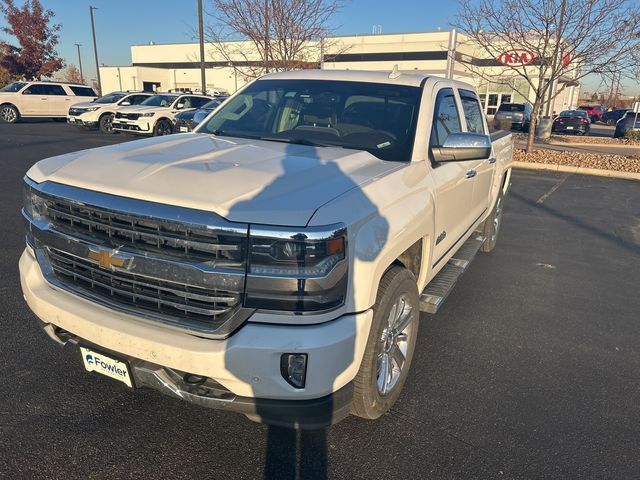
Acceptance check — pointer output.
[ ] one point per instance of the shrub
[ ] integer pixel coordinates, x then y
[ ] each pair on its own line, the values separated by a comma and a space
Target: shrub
633, 135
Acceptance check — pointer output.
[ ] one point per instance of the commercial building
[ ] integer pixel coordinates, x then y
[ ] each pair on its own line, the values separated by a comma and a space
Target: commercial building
441, 53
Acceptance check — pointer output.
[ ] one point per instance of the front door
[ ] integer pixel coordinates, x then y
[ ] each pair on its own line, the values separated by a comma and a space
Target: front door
454, 183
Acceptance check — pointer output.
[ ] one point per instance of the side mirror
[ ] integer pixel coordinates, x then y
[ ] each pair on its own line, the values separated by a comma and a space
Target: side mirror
459, 147
125, 103
180, 106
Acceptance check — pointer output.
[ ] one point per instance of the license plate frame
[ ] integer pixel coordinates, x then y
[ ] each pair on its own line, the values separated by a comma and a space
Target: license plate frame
107, 365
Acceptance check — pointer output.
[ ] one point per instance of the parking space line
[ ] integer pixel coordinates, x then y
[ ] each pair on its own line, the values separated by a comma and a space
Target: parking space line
552, 189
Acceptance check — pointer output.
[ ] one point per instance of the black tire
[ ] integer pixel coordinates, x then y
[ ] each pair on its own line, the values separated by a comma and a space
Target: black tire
370, 400
9, 114
105, 123
491, 226
163, 127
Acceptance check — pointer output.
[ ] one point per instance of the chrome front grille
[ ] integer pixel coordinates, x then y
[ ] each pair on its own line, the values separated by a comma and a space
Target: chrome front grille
118, 229
174, 300
77, 111
128, 116
181, 267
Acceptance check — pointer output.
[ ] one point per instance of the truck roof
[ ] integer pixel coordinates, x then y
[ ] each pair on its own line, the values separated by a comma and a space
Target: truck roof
399, 78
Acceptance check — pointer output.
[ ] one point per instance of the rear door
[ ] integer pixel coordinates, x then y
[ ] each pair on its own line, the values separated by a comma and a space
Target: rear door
454, 183
484, 169
60, 100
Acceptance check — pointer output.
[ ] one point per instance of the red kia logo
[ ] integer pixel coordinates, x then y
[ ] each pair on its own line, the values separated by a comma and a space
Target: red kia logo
518, 57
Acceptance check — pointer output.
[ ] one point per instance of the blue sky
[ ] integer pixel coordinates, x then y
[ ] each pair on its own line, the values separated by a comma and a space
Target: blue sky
120, 24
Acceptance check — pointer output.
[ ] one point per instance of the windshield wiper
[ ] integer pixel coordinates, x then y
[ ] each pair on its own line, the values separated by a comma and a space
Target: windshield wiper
222, 133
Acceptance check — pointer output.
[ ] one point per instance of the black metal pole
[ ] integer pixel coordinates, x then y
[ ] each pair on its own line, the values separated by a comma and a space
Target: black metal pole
80, 61
95, 48
203, 77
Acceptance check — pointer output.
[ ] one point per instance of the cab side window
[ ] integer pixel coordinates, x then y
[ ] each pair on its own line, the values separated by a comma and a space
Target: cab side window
472, 111
445, 117
197, 102
36, 89
55, 90
137, 99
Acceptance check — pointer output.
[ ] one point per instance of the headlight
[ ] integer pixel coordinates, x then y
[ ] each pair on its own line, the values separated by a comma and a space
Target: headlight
91, 109
33, 205
297, 270
148, 114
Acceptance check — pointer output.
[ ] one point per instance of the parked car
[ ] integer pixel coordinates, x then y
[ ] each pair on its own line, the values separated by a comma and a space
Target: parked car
595, 112
41, 99
274, 262
155, 115
572, 121
186, 121
513, 115
630, 122
99, 112
610, 118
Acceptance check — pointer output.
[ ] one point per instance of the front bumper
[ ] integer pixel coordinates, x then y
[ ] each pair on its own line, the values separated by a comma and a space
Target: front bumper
78, 121
246, 365
132, 126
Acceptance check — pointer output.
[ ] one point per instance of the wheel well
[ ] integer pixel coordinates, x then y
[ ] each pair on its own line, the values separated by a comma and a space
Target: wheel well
11, 105
411, 259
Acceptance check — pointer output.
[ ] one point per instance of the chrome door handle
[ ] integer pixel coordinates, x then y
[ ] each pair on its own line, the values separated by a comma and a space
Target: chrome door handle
492, 160
471, 173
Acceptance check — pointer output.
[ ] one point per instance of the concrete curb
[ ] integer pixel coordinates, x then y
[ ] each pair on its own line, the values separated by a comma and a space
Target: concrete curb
580, 144
580, 170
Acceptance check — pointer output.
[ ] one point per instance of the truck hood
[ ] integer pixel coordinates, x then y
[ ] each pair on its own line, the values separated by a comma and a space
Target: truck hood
89, 104
242, 180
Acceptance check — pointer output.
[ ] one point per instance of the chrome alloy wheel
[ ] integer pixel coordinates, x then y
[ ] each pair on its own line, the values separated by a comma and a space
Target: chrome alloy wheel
8, 114
394, 345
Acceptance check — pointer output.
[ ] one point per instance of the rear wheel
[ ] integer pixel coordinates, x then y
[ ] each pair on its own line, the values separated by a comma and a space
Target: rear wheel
491, 226
163, 127
9, 114
390, 345
106, 123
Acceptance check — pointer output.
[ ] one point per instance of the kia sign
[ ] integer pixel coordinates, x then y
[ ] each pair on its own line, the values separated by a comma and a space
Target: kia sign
518, 57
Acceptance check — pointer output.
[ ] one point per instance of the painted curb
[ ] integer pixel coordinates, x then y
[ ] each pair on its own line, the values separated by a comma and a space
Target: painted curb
580, 170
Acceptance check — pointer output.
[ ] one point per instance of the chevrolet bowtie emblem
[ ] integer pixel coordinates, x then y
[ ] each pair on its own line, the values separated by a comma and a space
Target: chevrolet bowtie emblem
106, 258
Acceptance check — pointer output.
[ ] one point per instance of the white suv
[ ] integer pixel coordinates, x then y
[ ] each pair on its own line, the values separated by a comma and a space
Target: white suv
41, 99
155, 115
99, 113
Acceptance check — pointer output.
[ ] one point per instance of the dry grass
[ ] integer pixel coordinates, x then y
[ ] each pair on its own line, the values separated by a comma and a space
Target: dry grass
618, 163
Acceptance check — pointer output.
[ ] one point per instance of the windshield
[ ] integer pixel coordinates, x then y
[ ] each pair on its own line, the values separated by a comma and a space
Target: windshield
573, 113
12, 87
109, 98
378, 118
511, 107
160, 100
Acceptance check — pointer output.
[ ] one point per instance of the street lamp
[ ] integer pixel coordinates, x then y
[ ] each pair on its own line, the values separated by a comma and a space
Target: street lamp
78, 45
95, 47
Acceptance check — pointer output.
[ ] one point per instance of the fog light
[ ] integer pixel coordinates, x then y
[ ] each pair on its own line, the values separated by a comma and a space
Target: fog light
293, 367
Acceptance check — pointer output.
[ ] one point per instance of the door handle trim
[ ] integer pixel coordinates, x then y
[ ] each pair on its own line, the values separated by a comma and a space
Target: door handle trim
471, 173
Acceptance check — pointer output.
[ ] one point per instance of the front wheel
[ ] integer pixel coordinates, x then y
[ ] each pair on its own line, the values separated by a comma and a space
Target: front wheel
491, 226
9, 114
163, 127
390, 345
106, 123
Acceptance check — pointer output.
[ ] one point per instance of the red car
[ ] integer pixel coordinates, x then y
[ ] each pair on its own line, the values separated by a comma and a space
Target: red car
595, 112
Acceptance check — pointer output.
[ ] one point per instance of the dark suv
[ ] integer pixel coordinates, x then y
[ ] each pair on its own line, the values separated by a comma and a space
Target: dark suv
595, 112
630, 122
513, 115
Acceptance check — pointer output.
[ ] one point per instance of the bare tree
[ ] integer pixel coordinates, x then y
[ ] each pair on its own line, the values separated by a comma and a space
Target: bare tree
71, 74
569, 39
282, 34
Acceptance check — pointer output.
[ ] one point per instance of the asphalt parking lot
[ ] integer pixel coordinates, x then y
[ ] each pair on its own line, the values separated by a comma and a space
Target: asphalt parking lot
530, 370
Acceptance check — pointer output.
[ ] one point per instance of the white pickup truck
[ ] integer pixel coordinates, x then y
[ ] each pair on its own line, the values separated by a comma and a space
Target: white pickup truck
274, 262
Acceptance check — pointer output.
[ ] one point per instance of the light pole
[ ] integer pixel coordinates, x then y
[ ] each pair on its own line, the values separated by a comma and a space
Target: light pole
203, 78
78, 45
95, 47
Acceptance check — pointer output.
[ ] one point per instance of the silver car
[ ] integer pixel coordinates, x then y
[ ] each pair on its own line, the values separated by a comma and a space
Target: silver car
513, 116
